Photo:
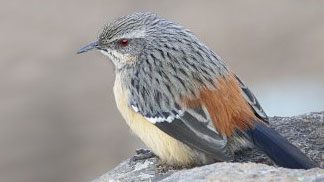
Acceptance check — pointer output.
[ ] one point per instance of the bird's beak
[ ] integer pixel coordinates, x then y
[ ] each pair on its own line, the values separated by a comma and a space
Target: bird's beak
91, 46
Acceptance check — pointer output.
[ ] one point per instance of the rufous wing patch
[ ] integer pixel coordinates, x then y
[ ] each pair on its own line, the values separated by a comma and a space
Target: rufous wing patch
226, 106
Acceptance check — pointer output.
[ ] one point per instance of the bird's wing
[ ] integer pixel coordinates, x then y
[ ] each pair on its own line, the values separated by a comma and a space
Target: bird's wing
204, 121
194, 128
253, 102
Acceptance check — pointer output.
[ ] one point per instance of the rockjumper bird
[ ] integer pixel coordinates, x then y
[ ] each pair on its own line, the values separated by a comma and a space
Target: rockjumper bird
180, 98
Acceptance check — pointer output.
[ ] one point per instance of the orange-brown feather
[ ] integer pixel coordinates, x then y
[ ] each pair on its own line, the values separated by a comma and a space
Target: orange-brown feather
226, 106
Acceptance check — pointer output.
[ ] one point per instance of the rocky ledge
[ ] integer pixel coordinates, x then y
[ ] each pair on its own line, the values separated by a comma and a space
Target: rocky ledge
305, 131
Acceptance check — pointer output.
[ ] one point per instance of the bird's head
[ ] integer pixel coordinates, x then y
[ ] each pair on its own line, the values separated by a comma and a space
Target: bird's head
124, 39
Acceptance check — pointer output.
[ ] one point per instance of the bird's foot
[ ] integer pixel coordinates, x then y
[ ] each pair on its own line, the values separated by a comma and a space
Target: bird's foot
142, 154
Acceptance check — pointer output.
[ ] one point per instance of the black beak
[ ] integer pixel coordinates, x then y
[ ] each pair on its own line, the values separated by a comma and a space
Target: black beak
93, 45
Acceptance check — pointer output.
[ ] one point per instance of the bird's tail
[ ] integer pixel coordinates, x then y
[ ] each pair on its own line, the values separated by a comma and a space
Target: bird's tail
279, 149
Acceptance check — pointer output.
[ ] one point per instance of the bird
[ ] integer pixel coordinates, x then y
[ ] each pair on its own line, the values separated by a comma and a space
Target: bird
181, 99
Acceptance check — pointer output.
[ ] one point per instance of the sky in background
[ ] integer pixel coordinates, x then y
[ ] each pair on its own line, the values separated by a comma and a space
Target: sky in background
58, 116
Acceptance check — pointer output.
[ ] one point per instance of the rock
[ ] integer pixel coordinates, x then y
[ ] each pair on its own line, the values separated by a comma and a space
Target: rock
245, 172
304, 131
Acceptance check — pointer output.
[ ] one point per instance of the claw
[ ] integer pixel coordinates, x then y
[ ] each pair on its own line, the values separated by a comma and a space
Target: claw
142, 154
142, 151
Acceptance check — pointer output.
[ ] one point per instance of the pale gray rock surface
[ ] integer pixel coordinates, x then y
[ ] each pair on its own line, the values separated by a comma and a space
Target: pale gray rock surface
304, 131
245, 172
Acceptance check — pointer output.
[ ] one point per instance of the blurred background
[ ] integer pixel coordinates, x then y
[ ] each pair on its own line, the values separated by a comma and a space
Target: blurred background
58, 119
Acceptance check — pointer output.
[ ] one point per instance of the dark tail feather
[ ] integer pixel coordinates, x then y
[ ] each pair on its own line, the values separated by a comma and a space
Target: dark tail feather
278, 148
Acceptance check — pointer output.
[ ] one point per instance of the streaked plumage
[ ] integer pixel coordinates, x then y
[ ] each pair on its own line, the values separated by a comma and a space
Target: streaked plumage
179, 97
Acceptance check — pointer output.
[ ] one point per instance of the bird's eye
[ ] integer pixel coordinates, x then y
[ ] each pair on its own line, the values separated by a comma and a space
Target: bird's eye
123, 42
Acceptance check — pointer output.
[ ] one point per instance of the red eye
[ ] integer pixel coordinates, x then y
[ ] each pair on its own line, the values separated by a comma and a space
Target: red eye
123, 42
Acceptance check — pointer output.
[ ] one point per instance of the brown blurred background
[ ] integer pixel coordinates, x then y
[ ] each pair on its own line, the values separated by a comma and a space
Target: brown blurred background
58, 120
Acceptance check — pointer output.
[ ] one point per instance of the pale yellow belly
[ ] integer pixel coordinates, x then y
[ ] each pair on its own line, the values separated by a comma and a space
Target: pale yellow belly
169, 150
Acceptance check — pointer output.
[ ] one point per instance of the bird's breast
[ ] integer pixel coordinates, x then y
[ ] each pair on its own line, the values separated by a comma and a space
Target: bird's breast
169, 150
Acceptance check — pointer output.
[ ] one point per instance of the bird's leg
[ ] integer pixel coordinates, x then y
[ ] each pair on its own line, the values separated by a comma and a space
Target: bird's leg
142, 154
